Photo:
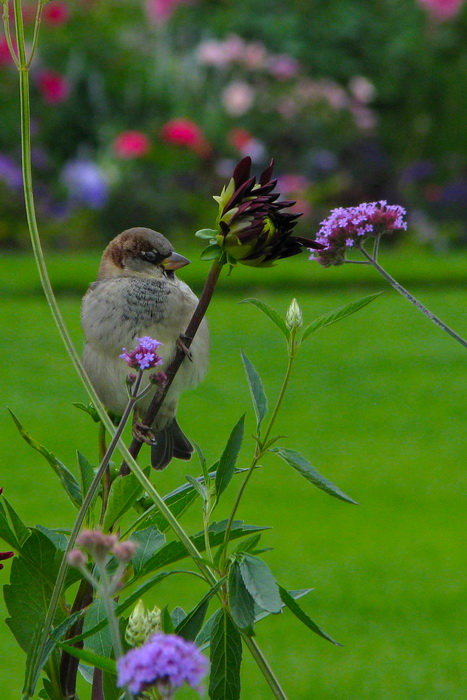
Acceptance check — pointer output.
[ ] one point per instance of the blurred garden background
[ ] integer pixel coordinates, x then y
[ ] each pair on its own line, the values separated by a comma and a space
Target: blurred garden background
140, 110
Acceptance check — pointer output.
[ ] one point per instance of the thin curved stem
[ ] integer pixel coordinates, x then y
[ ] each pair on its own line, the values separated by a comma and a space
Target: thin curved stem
6, 24
405, 293
263, 664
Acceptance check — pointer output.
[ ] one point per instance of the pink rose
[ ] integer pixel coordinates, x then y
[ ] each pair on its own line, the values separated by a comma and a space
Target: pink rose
131, 144
54, 87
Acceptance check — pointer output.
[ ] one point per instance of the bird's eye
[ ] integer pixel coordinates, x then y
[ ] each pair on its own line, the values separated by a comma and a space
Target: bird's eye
152, 256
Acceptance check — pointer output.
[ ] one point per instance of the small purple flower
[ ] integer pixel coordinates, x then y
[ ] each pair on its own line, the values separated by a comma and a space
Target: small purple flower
10, 173
346, 227
85, 182
165, 661
144, 355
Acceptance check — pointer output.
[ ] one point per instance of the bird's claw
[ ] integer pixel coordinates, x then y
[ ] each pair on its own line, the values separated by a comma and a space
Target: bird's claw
143, 433
181, 344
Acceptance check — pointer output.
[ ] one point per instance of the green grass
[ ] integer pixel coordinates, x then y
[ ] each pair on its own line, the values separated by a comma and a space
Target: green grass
378, 406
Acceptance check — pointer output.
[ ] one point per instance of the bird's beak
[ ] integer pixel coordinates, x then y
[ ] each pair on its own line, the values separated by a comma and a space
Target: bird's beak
174, 261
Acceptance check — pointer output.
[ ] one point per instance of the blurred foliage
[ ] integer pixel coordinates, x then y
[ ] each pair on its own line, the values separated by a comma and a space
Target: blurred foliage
355, 100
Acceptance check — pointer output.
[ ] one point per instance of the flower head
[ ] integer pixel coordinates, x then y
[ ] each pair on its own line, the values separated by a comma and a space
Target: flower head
142, 624
166, 661
347, 227
144, 355
184, 132
85, 182
131, 144
54, 87
253, 227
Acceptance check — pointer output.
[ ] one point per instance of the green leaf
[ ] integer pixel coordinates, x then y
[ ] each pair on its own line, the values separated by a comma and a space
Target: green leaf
67, 479
226, 467
86, 471
242, 604
149, 541
212, 252
6, 533
261, 614
91, 658
123, 494
100, 642
89, 409
190, 626
207, 233
303, 467
338, 314
175, 551
303, 617
198, 486
248, 545
270, 313
178, 614
22, 532
260, 583
260, 402
166, 621
226, 659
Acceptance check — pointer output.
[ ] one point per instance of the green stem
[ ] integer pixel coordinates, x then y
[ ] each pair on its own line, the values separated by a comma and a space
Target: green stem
259, 452
37, 24
263, 664
6, 24
405, 293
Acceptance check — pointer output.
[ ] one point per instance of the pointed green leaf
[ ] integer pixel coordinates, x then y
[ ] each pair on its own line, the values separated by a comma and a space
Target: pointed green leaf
226, 659
89, 409
123, 494
86, 471
178, 614
303, 467
6, 533
198, 486
260, 583
22, 532
166, 621
207, 233
228, 459
303, 617
91, 658
67, 479
260, 402
212, 252
190, 626
242, 604
270, 313
149, 541
338, 314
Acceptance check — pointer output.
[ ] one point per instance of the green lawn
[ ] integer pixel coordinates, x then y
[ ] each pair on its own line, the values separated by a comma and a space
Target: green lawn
378, 406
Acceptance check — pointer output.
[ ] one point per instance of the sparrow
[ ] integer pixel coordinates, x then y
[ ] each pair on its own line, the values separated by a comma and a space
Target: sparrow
137, 294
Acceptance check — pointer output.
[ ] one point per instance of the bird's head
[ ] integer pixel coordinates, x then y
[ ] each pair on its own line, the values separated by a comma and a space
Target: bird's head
140, 252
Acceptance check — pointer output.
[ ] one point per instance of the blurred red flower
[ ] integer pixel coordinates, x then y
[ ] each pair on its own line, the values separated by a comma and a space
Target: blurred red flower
184, 132
162, 10
5, 56
131, 144
54, 87
55, 13
239, 138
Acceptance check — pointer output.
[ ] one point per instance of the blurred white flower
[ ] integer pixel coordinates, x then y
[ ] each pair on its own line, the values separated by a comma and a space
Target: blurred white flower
237, 98
362, 89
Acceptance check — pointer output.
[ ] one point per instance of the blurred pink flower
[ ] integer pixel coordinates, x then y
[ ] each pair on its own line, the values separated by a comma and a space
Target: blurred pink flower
53, 87
234, 47
131, 144
238, 97
362, 89
184, 132
5, 56
283, 67
160, 11
292, 183
55, 13
246, 144
301, 206
212, 53
442, 9
254, 55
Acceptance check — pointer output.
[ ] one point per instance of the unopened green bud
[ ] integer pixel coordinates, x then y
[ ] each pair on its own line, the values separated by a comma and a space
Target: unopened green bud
293, 317
142, 624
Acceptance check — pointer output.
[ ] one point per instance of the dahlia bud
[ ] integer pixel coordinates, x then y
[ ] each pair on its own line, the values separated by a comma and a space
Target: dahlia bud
293, 317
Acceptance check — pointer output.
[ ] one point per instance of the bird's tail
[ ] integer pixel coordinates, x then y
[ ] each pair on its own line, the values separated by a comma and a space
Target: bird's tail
170, 442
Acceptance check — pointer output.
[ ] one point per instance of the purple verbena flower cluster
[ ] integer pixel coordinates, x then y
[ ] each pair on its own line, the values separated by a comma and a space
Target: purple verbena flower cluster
165, 661
144, 355
346, 227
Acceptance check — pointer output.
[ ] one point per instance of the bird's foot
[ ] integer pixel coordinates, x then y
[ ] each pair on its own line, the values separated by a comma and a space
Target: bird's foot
143, 433
181, 344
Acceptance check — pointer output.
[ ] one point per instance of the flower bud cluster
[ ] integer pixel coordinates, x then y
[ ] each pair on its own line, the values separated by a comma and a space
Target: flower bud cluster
142, 623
